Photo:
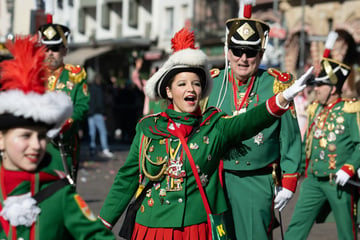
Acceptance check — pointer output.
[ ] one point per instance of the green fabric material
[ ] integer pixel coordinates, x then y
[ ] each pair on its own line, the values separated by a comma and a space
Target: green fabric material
313, 194
251, 194
61, 217
78, 93
217, 133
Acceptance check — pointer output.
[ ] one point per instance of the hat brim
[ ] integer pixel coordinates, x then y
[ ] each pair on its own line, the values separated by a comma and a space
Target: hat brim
175, 70
9, 121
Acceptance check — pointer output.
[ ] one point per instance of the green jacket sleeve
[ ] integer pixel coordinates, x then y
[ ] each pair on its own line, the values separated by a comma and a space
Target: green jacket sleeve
124, 186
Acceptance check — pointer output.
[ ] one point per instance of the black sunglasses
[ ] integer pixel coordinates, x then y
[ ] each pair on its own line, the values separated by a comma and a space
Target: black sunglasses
249, 52
53, 48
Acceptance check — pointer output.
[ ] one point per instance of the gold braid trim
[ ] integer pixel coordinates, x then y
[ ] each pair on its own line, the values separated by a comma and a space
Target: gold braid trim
351, 106
309, 139
311, 110
76, 73
283, 80
143, 165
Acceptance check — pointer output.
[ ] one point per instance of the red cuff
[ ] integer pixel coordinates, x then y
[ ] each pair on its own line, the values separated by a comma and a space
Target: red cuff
349, 169
106, 223
273, 108
289, 181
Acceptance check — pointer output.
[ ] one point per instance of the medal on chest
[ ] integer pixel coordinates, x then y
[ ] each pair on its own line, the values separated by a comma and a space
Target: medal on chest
175, 171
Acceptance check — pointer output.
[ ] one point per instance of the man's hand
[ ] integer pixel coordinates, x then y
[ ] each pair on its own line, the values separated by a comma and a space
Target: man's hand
298, 86
283, 196
341, 177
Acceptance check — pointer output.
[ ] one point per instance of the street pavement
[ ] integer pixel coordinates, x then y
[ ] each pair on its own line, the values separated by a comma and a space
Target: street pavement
96, 175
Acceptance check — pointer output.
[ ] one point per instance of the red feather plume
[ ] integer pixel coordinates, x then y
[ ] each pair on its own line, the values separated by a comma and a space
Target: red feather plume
25, 71
183, 39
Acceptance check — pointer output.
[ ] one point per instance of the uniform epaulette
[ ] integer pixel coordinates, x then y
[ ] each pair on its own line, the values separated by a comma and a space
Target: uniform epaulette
76, 73
214, 72
283, 80
312, 108
351, 105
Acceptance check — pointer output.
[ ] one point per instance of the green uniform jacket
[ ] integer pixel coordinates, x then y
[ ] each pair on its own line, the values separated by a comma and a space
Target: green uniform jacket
281, 141
336, 143
64, 215
182, 205
72, 81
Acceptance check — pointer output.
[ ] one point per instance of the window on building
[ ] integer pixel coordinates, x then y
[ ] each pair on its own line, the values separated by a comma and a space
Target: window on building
169, 14
60, 4
133, 13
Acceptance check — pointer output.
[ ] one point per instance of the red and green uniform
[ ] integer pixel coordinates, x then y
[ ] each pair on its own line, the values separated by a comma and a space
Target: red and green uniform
175, 201
248, 165
332, 143
64, 214
70, 79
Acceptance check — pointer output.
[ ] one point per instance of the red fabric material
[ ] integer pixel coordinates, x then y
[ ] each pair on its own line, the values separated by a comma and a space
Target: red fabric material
289, 181
349, 169
14, 178
273, 108
193, 232
221, 173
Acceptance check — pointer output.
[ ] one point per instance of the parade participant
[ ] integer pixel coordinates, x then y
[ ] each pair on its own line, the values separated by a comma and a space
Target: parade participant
70, 79
332, 150
36, 202
248, 167
173, 207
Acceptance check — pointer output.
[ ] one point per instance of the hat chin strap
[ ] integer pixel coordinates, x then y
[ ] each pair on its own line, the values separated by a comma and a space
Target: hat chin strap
328, 96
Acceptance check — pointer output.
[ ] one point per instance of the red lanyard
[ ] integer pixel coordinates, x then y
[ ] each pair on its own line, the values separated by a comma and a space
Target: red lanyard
326, 108
248, 90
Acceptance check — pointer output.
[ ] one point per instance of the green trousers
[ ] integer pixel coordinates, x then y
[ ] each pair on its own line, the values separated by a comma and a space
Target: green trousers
313, 194
251, 205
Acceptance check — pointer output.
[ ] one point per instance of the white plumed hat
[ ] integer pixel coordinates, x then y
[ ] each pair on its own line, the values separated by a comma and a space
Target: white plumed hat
185, 58
23, 97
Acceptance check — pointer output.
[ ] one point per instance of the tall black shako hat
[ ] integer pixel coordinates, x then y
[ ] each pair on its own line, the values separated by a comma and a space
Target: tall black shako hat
246, 32
333, 73
54, 34
185, 58
24, 100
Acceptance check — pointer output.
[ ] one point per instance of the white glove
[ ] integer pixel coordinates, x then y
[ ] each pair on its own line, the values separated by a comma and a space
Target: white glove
283, 196
341, 177
298, 86
358, 172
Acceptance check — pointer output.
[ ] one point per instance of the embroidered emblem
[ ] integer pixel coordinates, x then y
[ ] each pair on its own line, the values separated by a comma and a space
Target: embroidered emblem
162, 192
318, 133
259, 138
151, 202
330, 126
323, 143
50, 32
194, 146
85, 89
204, 179
340, 120
331, 137
339, 129
157, 186
162, 141
60, 86
69, 85
151, 148
246, 31
332, 161
206, 139
322, 155
148, 193
142, 208
84, 208
332, 147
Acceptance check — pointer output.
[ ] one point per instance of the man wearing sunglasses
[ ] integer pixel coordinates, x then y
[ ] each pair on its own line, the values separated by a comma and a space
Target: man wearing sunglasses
332, 154
275, 151
72, 80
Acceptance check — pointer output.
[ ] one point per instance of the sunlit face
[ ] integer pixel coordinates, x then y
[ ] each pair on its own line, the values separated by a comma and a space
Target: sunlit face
54, 57
185, 92
244, 66
23, 148
322, 93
